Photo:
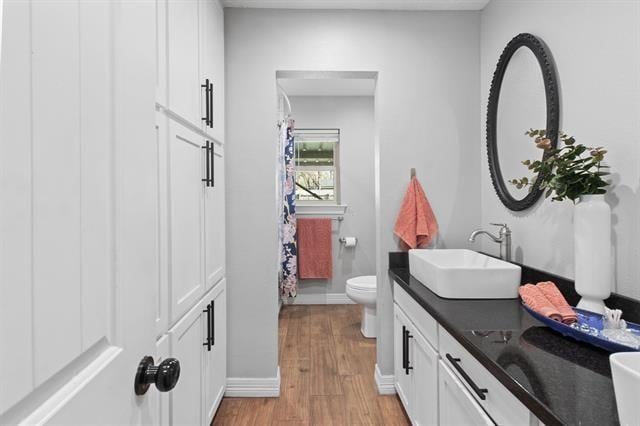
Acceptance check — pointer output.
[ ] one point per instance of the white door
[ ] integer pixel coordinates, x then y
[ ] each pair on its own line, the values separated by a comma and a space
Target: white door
424, 360
78, 259
215, 220
402, 375
186, 221
457, 406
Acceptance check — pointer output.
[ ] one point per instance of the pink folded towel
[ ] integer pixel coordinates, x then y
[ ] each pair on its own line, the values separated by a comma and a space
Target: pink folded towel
416, 224
552, 293
314, 248
533, 297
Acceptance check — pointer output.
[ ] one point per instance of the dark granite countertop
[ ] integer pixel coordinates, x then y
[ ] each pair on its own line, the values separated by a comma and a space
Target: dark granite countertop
560, 380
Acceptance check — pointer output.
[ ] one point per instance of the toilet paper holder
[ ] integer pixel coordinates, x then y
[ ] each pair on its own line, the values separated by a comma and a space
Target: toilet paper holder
343, 240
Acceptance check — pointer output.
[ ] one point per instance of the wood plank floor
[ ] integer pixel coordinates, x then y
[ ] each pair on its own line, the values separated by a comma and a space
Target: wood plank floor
326, 368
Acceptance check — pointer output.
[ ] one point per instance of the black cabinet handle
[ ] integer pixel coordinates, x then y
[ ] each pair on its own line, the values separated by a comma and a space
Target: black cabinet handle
407, 366
213, 323
207, 179
210, 109
213, 165
478, 390
207, 87
208, 342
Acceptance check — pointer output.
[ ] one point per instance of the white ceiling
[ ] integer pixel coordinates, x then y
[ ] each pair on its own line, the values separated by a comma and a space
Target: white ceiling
360, 4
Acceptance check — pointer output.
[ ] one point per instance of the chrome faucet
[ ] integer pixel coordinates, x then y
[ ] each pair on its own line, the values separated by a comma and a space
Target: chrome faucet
503, 238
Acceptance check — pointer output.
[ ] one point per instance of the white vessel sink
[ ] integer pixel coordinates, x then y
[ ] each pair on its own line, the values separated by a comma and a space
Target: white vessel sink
465, 274
625, 370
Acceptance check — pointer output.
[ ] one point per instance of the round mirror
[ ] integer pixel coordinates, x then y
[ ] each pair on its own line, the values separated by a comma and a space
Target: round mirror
523, 95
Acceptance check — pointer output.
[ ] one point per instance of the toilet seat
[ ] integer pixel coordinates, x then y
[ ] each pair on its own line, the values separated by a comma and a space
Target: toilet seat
363, 283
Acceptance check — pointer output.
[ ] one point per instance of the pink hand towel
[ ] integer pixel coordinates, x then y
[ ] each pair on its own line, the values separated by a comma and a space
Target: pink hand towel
552, 293
314, 248
533, 297
416, 224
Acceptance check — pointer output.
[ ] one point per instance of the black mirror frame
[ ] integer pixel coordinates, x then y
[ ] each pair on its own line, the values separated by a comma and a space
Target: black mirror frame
547, 66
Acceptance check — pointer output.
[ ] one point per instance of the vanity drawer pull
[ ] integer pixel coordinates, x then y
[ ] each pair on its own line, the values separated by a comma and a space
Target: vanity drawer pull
455, 362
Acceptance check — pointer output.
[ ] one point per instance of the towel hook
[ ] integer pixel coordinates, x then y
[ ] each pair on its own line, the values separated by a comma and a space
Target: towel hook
413, 173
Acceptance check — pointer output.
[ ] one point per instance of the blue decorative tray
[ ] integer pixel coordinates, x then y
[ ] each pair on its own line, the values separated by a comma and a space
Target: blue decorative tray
588, 329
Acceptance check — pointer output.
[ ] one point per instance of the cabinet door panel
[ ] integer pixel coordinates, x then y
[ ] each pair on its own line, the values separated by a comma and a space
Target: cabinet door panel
424, 360
186, 345
183, 59
402, 379
457, 406
186, 199
216, 360
212, 60
215, 222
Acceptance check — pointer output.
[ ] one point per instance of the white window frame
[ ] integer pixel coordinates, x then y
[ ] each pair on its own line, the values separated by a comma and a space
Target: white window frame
335, 168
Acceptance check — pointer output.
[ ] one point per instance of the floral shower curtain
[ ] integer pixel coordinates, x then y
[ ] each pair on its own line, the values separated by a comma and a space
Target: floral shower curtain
288, 235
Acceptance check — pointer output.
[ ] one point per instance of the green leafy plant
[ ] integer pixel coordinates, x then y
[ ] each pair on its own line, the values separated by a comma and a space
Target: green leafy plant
566, 172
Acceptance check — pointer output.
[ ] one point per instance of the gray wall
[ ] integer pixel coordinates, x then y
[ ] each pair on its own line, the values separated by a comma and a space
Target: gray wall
353, 115
596, 46
426, 113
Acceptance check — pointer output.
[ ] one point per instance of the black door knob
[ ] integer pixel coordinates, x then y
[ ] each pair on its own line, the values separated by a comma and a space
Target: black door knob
164, 376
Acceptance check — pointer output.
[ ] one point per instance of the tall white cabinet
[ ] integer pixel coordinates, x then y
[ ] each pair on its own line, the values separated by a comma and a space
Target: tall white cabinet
191, 313
112, 222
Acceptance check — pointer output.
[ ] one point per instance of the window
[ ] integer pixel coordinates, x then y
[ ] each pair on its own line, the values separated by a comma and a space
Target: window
317, 172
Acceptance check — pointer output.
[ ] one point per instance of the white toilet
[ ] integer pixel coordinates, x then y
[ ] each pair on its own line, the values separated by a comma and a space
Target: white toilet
362, 290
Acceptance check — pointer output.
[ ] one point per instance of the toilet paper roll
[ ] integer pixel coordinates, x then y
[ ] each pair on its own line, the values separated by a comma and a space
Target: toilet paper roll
350, 241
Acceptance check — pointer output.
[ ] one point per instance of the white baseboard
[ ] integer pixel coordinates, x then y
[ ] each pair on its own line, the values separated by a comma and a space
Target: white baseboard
253, 388
320, 299
385, 384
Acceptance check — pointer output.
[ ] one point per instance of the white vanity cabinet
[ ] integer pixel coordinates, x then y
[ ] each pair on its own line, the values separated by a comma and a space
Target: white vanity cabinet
438, 381
415, 365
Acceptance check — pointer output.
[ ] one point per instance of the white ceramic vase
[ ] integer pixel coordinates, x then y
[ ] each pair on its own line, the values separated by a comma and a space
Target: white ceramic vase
592, 244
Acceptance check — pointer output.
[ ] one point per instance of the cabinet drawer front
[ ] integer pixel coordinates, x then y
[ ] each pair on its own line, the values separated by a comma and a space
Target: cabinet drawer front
424, 322
502, 405
456, 406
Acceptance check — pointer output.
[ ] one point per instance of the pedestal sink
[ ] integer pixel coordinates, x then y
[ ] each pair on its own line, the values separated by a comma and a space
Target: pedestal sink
465, 274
